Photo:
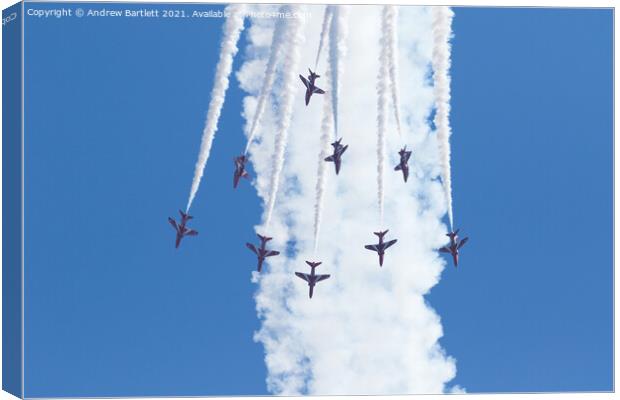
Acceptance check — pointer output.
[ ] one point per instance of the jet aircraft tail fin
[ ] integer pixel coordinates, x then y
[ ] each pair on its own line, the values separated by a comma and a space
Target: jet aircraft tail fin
313, 264
452, 234
185, 216
381, 234
264, 238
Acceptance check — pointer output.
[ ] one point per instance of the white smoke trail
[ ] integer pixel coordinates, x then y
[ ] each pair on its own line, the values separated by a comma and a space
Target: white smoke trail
337, 51
268, 80
294, 39
442, 33
327, 18
382, 101
326, 132
232, 30
390, 17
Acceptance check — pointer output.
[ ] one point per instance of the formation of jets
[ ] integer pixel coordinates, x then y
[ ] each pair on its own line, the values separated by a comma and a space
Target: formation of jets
454, 246
181, 228
336, 157
262, 252
339, 149
311, 88
312, 278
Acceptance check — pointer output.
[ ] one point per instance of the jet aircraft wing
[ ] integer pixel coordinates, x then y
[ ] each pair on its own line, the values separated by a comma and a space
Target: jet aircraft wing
251, 247
388, 244
320, 278
303, 276
372, 247
173, 223
304, 80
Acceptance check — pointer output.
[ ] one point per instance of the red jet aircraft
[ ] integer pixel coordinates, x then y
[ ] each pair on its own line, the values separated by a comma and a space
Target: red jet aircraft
336, 157
381, 246
181, 229
262, 252
240, 171
454, 246
311, 88
312, 278
402, 165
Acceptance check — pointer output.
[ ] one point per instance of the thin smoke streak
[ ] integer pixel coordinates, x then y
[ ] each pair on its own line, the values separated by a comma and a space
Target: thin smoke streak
327, 18
270, 75
382, 100
326, 131
294, 41
232, 31
390, 16
337, 51
442, 33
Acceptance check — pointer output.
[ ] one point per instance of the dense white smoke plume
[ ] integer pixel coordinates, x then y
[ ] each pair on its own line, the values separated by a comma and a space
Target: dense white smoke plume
294, 40
337, 51
367, 330
232, 30
442, 33
390, 22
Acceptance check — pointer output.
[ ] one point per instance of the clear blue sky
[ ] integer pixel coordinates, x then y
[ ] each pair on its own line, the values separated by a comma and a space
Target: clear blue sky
115, 110
530, 308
